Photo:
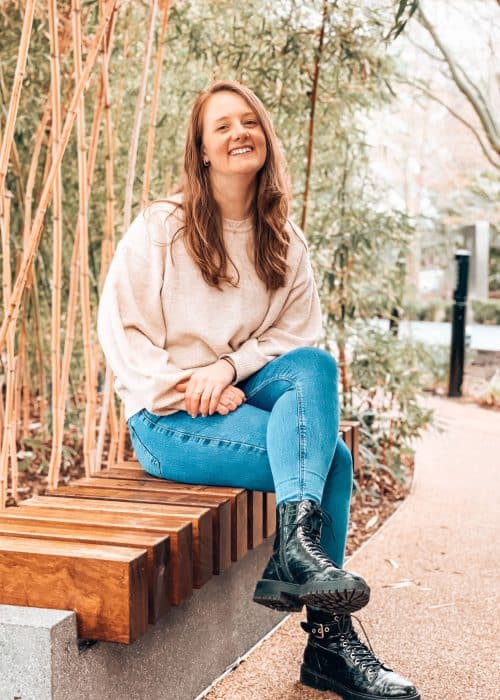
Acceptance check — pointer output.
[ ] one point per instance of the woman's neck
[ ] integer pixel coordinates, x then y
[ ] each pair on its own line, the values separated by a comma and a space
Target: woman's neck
234, 195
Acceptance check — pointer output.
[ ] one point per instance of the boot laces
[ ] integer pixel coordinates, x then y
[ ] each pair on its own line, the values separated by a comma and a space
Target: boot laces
357, 650
313, 546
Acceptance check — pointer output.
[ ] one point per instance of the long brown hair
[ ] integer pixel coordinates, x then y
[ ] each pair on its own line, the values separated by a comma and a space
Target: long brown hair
202, 229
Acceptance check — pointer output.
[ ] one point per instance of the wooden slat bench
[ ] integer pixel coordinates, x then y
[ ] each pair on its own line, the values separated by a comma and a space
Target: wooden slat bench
105, 585
120, 547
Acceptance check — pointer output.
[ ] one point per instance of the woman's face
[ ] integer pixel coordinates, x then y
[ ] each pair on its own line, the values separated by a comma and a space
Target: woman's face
233, 139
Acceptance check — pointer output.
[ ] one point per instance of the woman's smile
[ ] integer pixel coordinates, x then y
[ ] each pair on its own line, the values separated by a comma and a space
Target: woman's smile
234, 142
241, 151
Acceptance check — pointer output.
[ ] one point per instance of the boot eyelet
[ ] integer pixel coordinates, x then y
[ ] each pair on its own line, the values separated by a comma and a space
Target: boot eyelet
327, 629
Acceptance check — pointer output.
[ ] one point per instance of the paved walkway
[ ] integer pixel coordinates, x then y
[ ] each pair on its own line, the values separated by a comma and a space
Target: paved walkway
478, 336
433, 570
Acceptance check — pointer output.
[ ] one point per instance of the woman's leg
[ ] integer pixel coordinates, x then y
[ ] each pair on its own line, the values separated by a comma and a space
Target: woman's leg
300, 390
284, 439
214, 450
336, 502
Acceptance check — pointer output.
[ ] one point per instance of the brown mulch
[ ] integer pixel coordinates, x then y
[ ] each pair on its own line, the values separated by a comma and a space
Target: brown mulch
379, 496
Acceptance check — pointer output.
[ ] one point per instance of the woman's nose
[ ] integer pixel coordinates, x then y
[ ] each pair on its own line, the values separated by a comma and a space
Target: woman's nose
241, 133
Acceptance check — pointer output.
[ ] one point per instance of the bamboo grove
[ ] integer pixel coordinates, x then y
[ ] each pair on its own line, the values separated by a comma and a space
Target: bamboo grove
95, 98
66, 36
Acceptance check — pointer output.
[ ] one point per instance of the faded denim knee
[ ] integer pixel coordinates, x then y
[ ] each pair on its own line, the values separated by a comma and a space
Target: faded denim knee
316, 359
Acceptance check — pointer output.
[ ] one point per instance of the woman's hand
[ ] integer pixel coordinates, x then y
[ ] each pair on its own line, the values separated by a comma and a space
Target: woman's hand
230, 399
203, 391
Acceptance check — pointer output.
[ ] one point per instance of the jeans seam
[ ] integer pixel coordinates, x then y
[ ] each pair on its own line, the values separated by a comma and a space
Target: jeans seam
265, 382
300, 422
153, 459
302, 439
162, 429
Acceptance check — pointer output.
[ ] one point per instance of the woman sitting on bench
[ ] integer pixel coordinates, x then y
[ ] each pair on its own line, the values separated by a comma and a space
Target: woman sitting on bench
209, 318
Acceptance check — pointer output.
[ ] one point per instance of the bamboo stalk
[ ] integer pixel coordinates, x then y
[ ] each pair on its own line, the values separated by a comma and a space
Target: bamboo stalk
22, 55
132, 160
24, 364
314, 97
106, 255
36, 229
118, 101
55, 352
74, 277
14, 157
8, 448
90, 393
56, 455
139, 110
15, 406
107, 250
154, 103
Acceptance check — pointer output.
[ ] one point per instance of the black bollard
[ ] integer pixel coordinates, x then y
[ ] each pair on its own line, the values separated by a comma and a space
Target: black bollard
457, 354
394, 322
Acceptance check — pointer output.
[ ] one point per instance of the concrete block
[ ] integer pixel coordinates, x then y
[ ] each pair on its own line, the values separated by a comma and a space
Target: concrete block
176, 660
32, 640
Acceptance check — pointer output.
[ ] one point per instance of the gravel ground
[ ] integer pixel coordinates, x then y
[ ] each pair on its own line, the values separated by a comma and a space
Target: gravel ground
433, 570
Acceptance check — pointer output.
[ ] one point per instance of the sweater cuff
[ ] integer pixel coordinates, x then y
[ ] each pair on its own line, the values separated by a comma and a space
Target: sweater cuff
246, 360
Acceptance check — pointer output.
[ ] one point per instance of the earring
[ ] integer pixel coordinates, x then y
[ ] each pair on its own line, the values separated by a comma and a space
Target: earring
206, 163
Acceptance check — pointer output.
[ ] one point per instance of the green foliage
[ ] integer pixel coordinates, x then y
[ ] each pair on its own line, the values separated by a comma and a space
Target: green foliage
386, 386
428, 310
486, 311
434, 366
358, 244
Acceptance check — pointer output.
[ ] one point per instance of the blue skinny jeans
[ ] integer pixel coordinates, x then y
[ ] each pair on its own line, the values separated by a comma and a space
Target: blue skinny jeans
283, 439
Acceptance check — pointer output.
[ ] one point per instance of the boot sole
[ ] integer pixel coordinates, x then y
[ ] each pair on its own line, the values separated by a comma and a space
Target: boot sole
291, 597
320, 682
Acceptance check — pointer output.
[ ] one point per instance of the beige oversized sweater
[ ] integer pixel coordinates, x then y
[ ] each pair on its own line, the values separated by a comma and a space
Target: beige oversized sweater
158, 320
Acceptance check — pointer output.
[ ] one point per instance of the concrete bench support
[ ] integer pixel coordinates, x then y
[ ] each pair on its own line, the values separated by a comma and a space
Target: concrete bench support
177, 658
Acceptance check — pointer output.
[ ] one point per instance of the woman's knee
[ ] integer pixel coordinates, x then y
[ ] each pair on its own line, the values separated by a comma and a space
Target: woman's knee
312, 358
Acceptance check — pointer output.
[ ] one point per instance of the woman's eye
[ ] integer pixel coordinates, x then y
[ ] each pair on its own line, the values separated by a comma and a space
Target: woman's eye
251, 122
223, 126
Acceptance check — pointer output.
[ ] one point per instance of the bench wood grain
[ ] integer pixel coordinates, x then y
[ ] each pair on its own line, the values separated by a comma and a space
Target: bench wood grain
106, 586
220, 509
180, 532
157, 547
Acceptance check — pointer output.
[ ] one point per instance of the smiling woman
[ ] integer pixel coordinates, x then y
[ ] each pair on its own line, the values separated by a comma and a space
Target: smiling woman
184, 336
234, 147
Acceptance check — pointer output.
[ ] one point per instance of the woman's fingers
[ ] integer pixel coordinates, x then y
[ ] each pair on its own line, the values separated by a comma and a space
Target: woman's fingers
205, 382
230, 399
211, 399
209, 405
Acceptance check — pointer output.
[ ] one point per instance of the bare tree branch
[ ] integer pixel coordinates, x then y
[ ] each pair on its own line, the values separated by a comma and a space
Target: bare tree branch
478, 103
432, 96
424, 50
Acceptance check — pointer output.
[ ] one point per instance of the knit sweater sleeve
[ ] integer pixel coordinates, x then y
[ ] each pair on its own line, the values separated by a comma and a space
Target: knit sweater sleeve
132, 331
298, 324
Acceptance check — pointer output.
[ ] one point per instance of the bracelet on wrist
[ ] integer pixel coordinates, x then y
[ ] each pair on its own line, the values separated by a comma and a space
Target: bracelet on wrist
232, 365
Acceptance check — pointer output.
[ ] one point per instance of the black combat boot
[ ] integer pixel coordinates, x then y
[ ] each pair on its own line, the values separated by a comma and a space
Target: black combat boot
299, 572
335, 659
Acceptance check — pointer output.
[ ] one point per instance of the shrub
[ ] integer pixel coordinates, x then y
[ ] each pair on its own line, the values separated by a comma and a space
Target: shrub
486, 311
386, 387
